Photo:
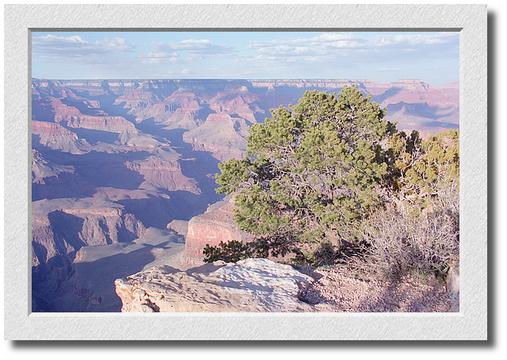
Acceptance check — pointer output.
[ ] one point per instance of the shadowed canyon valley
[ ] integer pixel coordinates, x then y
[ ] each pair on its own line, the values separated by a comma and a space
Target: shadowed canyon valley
123, 171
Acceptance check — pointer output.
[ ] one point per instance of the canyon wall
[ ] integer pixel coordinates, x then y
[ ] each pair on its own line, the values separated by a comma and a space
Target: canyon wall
216, 225
113, 159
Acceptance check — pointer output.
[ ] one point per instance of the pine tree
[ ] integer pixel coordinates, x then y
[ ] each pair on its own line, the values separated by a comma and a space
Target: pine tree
313, 173
311, 170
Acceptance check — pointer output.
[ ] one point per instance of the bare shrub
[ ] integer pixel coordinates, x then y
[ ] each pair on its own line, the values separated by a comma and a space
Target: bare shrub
404, 239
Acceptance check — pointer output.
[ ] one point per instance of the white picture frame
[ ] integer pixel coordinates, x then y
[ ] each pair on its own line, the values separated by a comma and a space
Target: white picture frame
470, 323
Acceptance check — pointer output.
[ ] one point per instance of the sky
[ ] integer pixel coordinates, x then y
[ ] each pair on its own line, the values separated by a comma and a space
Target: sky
378, 56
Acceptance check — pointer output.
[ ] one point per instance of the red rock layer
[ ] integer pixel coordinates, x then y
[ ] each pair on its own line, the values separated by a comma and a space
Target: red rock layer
163, 173
212, 227
56, 137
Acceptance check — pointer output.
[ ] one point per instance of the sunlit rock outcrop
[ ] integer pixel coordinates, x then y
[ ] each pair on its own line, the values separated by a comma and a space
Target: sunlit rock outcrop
252, 285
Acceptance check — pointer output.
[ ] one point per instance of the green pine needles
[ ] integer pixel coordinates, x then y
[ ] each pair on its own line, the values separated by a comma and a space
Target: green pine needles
314, 172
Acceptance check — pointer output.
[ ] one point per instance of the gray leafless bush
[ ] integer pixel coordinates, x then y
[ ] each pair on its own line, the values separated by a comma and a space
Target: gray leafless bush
403, 239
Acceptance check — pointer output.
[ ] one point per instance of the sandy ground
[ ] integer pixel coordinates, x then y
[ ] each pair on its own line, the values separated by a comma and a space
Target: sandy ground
338, 290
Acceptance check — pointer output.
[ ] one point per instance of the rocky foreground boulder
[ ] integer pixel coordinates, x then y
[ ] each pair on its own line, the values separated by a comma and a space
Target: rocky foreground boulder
251, 285
261, 285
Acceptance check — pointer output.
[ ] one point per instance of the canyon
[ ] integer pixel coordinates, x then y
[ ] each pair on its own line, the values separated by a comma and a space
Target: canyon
123, 176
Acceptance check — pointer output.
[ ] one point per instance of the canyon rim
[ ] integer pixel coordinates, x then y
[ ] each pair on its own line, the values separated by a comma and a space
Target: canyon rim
132, 134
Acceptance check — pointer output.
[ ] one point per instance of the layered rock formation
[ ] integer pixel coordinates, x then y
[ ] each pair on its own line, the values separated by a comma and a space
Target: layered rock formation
61, 227
214, 226
181, 110
72, 117
43, 169
113, 157
221, 134
115, 124
56, 137
163, 171
252, 285
88, 283
142, 99
237, 101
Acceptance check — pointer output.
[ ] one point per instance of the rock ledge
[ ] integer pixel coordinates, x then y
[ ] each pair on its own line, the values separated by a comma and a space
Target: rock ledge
251, 285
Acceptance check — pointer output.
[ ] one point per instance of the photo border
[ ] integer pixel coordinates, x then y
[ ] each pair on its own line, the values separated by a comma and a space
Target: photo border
468, 324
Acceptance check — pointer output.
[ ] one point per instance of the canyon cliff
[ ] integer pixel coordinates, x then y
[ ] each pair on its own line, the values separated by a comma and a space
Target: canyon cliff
117, 163
212, 227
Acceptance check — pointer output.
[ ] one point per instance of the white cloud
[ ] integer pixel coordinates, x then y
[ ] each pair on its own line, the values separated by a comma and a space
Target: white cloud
327, 46
317, 55
185, 50
158, 57
52, 39
183, 73
414, 39
191, 45
115, 43
196, 46
76, 46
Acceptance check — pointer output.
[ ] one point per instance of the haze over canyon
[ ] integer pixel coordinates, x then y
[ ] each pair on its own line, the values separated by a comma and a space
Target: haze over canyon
123, 171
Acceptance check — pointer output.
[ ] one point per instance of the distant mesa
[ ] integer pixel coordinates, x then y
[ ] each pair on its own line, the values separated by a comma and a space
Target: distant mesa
163, 171
222, 135
56, 137
113, 159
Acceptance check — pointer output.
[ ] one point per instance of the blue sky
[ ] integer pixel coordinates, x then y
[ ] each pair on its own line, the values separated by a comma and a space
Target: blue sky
377, 56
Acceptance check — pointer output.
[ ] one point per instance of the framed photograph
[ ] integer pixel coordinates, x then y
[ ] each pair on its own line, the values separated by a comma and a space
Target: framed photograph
246, 172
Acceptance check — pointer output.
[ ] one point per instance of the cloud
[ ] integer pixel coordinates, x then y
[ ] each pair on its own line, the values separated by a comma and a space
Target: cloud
327, 46
316, 46
189, 49
158, 57
195, 46
415, 39
75, 46
378, 55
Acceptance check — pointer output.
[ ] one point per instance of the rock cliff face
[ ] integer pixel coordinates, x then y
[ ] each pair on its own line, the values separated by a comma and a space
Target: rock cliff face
113, 157
72, 117
61, 227
214, 226
222, 135
252, 285
180, 227
56, 137
238, 101
43, 169
184, 103
87, 284
115, 124
163, 171
181, 110
142, 99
